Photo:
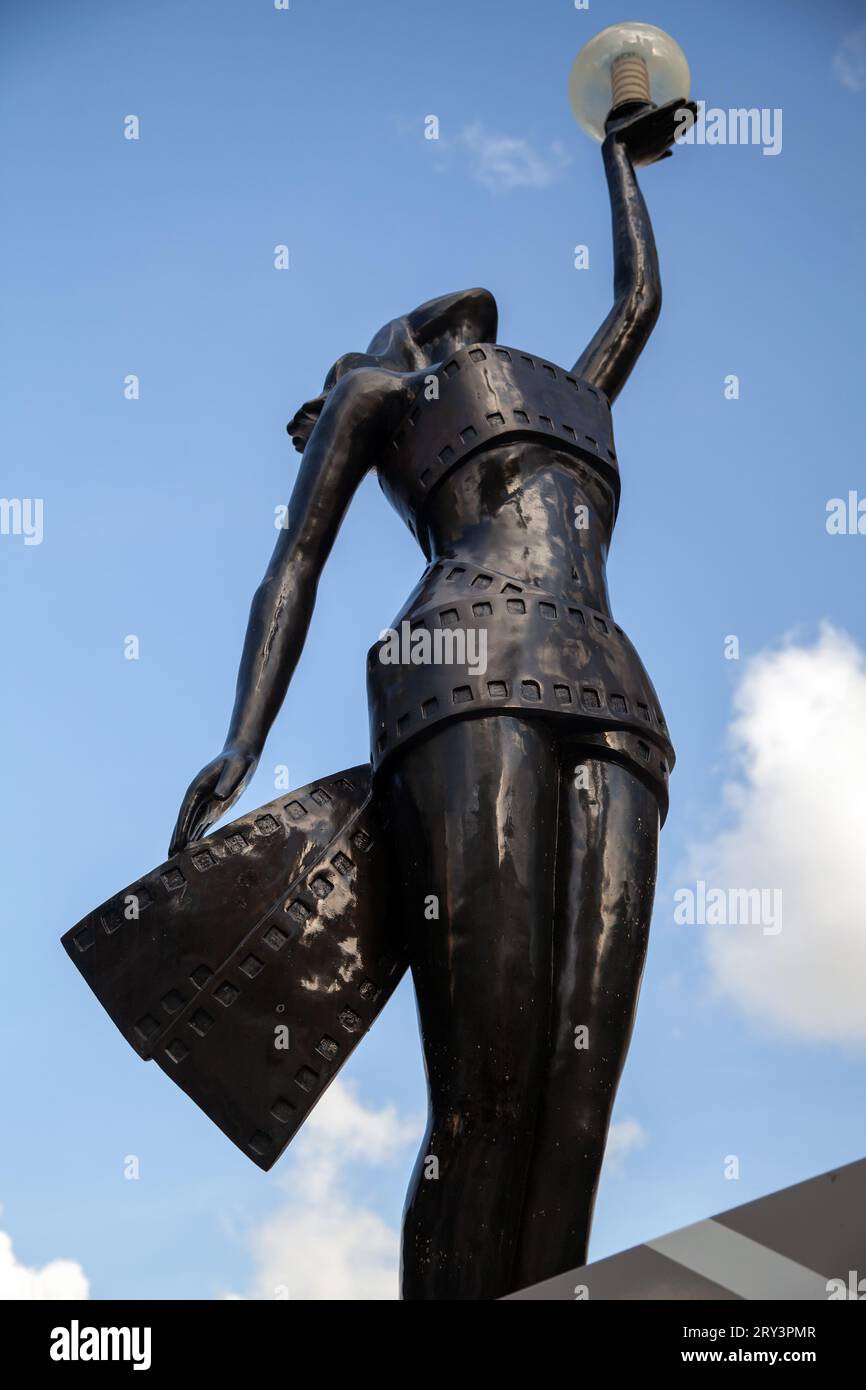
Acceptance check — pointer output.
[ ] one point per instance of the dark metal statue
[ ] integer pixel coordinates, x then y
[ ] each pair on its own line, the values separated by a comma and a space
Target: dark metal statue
503, 839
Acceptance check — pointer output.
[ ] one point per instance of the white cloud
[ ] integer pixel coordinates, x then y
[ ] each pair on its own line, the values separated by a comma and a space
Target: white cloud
58, 1279
849, 60
796, 801
323, 1242
624, 1137
505, 162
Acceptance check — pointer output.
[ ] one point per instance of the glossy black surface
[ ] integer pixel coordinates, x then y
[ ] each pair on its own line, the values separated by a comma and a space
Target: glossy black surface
515, 810
250, 966
544, 889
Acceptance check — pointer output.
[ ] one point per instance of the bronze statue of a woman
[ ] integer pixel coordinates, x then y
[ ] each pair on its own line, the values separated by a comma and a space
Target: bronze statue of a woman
509, 819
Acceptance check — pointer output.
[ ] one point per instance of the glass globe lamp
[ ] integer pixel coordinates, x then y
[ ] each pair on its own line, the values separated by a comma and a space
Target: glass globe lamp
624, 64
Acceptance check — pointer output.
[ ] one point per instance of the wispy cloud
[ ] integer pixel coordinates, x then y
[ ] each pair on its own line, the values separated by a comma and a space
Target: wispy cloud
323, 1242
57, 1279
796, 802
849, 60
502, 163
625, 1137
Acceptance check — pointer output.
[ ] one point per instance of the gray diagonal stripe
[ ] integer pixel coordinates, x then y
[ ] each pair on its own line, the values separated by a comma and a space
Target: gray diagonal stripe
739, 1264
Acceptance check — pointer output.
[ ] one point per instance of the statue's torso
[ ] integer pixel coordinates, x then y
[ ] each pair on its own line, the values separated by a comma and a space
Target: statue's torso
488, 395
504, 468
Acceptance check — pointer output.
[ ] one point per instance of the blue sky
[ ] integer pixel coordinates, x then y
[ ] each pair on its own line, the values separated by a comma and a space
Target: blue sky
155, 257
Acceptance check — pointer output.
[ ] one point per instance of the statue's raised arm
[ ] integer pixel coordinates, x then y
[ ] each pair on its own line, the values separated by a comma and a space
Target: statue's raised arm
638, 137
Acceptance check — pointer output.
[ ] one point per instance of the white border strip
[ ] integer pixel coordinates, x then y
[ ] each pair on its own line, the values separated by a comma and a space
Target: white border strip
739, 1264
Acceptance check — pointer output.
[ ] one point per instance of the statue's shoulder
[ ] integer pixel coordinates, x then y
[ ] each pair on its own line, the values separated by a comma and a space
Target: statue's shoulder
377, 389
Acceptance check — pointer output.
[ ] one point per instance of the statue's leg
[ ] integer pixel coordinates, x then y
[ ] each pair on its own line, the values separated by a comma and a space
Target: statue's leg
473, 811
606, 869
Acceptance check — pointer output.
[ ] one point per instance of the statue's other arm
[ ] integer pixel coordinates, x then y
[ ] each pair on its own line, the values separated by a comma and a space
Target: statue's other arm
610, 357
339, 452
332, 466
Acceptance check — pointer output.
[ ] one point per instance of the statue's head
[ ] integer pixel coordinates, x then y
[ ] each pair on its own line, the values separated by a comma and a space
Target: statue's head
428, 335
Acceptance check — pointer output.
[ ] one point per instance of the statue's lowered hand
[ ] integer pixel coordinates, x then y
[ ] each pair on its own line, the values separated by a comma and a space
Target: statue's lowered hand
211, 794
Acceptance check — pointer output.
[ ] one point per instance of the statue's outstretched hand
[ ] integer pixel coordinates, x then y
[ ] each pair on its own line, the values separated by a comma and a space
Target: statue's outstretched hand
210, 794
649, 133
